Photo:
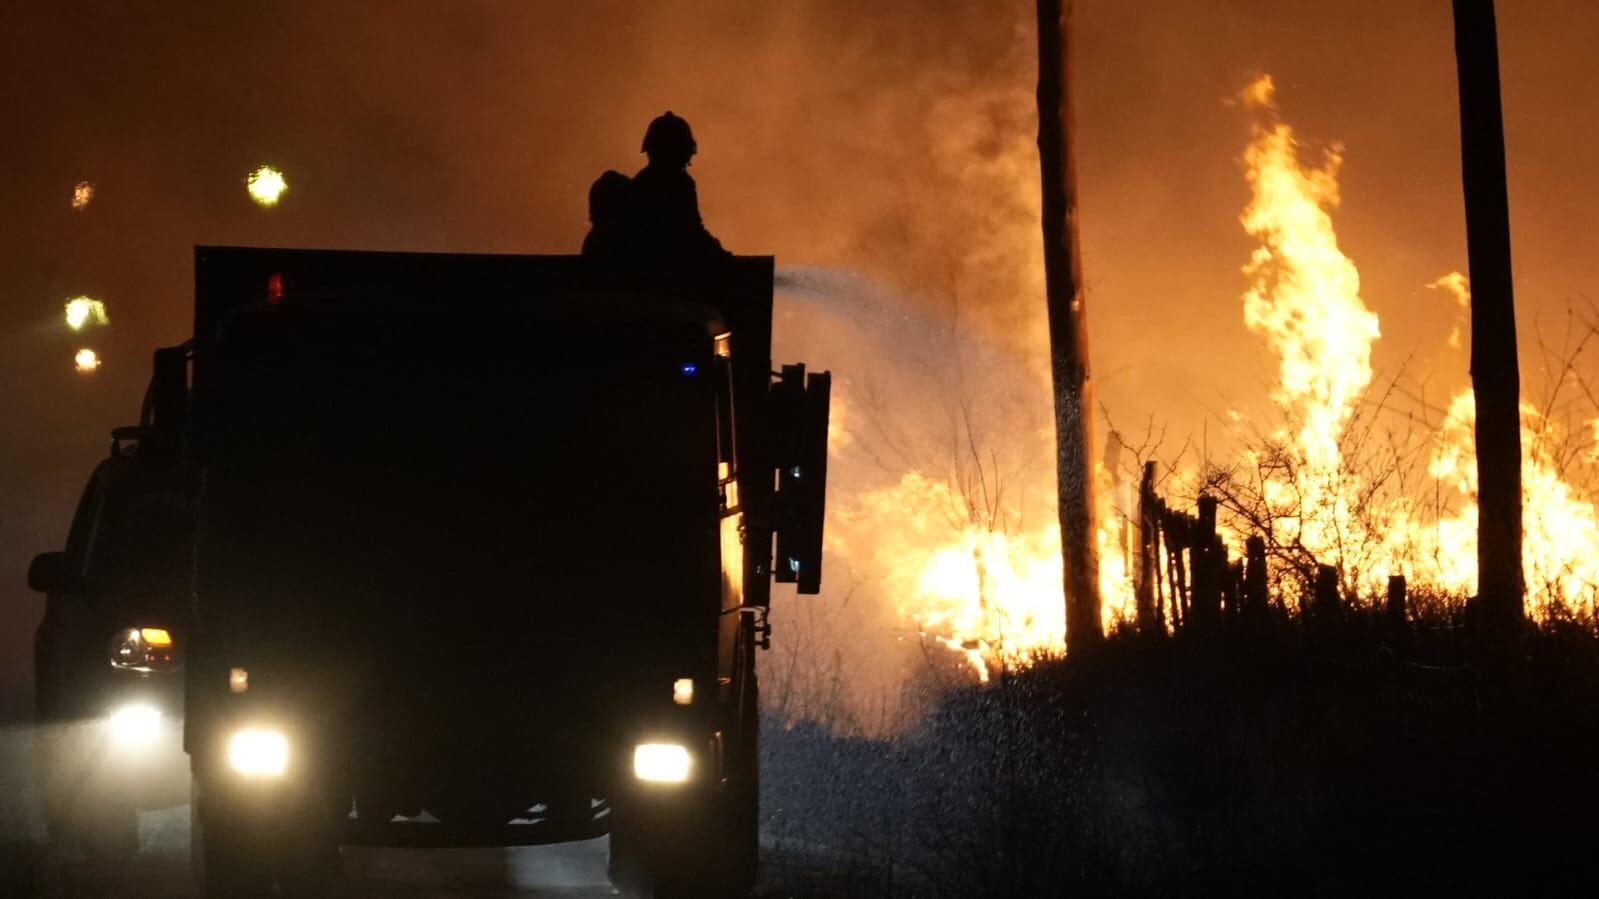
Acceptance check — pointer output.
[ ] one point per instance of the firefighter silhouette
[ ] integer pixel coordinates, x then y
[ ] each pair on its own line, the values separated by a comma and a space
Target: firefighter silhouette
608, 237
658, 210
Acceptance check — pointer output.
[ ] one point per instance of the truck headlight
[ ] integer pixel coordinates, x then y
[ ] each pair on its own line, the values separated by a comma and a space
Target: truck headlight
143, 649
667, 763
259, 752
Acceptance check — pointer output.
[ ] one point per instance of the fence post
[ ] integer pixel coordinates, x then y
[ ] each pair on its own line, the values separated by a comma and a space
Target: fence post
1161, 546
1396, 601
1148, 536
1207, 568
1175, 527
1233, 587
1255, 598
1326, 601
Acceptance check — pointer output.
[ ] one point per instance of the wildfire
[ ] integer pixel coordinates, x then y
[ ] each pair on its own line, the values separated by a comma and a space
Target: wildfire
1305, 303
974, 579
1560, 545
266, 186
86, 361
983, 588
986, 586
82, 195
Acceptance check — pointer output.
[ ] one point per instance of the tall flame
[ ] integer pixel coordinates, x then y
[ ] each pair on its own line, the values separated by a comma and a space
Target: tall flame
1305, 302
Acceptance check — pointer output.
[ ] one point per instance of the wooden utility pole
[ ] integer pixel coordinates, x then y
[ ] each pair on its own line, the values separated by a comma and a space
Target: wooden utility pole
1495, 376
1068, 327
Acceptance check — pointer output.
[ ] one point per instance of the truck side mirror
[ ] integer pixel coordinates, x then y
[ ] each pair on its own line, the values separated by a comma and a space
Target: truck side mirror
52, 573
801, 410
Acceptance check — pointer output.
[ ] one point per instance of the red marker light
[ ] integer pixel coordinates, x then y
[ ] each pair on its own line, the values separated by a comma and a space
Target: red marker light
275, 289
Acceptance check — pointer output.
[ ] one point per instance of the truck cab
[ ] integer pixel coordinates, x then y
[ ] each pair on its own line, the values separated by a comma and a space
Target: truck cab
483, 549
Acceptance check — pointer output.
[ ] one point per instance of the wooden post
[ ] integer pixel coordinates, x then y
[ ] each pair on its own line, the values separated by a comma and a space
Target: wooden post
1162, 549
1495, 375
1207, 568
1326, 601
1255, 589
1175, 527
1233, 587
1148, 536
1068, 327
1396, 601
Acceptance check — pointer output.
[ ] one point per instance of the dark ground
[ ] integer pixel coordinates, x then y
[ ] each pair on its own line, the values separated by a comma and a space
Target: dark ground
1350, 760
1346, 760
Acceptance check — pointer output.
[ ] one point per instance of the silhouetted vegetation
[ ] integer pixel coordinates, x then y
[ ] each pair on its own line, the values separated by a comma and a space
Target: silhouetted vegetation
1349, 756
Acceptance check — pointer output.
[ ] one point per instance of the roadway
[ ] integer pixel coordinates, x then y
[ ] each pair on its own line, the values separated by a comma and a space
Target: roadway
160, 870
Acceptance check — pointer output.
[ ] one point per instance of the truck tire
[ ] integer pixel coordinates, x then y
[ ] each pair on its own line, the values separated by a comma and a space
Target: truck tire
650, 860
688, 857
237, 853
629, 863
744, 789
743, 835
218, 853
721, 856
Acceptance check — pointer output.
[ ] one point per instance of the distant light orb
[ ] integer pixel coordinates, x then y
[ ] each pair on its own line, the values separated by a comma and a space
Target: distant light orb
82, 310
266, 186
82, 195
86, 361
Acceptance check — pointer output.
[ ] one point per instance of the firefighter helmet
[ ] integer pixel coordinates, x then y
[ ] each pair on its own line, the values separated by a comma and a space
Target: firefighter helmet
669, 135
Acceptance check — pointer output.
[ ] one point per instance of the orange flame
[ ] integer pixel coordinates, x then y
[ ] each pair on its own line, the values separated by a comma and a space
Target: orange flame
985, 587
1305, 302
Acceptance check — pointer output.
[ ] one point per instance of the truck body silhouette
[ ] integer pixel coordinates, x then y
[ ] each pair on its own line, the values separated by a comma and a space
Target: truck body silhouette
482, 555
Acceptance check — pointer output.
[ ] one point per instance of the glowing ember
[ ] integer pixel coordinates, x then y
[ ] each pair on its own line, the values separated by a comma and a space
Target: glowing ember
82, 195
266, 186
81, 311
86, 361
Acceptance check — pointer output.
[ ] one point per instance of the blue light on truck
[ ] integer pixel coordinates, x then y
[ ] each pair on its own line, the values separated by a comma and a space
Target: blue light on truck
688, 368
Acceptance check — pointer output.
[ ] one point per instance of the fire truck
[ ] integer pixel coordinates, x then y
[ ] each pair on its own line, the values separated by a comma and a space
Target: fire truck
482, 555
